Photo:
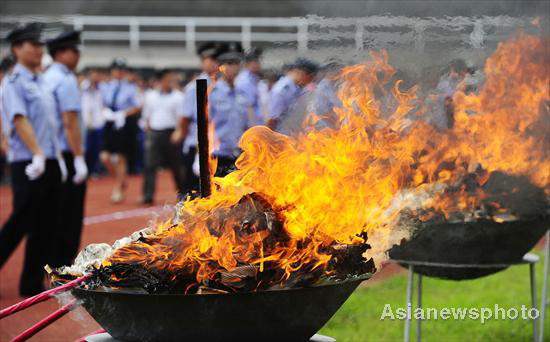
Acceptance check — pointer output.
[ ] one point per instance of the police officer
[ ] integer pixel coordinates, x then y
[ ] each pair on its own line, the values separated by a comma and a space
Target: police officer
248, 80
325, 98
6, 65
29, 113
228, 109
288, 90
208, 53
62, 81
120, 98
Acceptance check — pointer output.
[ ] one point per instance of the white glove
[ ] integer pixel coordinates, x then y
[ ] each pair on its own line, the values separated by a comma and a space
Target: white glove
108, 114
62, 168
37, 167
196, 166
80, 170
120, 119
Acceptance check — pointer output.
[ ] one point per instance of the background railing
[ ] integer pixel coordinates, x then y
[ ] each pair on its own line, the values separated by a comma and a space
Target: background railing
301, 33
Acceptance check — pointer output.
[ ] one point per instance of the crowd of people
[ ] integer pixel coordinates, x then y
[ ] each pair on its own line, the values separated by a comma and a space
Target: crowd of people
60, 127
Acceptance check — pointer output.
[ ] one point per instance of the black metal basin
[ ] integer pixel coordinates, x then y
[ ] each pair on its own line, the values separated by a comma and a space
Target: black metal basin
283, 315
476, 243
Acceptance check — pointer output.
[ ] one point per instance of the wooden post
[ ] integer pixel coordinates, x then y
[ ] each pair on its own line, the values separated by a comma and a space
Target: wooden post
202, 132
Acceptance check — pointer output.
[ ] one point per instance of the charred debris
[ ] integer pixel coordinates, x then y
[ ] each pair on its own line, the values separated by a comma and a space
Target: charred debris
252, 214
481, 196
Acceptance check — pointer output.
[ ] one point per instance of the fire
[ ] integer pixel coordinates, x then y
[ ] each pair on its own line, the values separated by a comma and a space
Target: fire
329, 185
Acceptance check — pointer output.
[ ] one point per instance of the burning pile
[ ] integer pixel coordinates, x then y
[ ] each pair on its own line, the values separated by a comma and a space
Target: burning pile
298, 211
239, 248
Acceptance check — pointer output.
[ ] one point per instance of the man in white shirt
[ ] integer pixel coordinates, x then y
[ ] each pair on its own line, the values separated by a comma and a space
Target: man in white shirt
92, 113
441, 100
162, 111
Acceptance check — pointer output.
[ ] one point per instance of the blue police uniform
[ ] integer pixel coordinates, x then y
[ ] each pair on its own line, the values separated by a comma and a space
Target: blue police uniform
26, 93
325, 98
284, 95
35, 180
248, 81
228, 113
36, 202
119, 95
64, 87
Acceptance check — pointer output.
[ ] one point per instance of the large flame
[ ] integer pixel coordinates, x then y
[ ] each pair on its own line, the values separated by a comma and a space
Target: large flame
331, 184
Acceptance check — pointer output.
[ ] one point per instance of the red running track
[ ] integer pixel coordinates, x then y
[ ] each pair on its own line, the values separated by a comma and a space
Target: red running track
105, 222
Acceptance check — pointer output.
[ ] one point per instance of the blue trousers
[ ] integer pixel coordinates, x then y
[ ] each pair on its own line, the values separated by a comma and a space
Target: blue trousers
94, 144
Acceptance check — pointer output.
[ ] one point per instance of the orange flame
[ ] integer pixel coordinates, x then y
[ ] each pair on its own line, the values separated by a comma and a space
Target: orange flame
333, 183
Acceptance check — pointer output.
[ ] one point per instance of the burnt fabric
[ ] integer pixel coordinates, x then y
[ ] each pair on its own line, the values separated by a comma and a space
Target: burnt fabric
71, 211
159, 151
35, 215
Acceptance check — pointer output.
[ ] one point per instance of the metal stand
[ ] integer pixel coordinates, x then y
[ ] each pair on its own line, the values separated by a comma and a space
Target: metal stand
419, 295
529, 259
544, 303
410, 278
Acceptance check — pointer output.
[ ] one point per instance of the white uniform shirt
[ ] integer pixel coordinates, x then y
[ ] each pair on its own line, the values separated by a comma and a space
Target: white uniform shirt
92, 106
163, 110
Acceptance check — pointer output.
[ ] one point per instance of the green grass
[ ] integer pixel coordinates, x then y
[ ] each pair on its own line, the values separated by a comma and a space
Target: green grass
359, 318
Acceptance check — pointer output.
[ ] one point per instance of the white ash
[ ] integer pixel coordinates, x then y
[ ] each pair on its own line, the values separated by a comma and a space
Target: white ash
94, 254
412, 199
177, 215
381, 241
132, 238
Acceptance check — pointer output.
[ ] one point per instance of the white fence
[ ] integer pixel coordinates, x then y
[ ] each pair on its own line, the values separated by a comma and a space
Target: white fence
376, 31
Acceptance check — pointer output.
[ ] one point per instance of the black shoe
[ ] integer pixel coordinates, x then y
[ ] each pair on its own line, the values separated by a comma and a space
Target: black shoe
147, 201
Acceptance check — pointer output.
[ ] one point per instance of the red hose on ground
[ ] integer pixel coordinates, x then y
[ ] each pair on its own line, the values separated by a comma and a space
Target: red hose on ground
25, 335
41, 297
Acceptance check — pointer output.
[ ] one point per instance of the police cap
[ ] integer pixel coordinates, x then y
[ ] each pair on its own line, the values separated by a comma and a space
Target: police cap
30, 32
231, 52
209, 50
68, 39
119, 63
254, 54
306, 65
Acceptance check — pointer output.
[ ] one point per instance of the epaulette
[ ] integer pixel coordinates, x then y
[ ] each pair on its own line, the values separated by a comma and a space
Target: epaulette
13, 76
279, 87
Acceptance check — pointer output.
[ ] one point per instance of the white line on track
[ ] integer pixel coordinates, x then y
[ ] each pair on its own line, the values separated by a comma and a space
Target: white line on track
125, 214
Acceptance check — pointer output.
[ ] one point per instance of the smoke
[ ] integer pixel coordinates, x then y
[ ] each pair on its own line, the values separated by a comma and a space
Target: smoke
78, 315
416, 44
421, 8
